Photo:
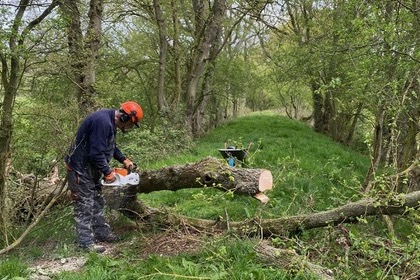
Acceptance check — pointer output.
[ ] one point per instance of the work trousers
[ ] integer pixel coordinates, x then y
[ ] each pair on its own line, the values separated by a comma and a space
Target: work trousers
88, 206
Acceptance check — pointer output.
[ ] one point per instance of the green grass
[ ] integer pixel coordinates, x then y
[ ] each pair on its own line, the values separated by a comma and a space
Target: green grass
12, 268
311, 173
306, 166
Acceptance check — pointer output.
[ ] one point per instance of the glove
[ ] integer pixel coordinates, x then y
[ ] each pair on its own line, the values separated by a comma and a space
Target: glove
129, 165
110, 178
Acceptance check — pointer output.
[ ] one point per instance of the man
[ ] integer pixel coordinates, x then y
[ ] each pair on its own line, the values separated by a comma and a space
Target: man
88, 160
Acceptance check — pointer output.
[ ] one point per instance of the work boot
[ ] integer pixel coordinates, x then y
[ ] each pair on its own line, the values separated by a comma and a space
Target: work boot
93, 248
110, 238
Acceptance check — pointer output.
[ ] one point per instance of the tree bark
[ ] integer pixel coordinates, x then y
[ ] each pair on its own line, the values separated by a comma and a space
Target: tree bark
212, 172
176, 50
283, 226
163, 50
209, 172
83, 50
207, 22
291, 261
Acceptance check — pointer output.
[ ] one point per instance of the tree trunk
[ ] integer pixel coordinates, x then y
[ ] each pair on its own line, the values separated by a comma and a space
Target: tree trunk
353, 124
176, 57
377, 147
318, 101
10, 77
209, 172
348, 213
163, 50
284, 226
92, 46
83, 50
205, 35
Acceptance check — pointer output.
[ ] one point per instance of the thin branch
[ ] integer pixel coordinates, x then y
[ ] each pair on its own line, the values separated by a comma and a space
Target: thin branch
35, 222
36, 21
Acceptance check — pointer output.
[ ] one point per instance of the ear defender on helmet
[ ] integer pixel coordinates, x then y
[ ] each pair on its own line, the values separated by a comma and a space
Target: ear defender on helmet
124, 117
130, 110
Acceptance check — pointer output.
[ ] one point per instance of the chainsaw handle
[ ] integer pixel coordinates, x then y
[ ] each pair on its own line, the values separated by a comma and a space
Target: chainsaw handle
134, 167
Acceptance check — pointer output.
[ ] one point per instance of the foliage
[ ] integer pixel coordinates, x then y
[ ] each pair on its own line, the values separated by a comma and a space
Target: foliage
146, 147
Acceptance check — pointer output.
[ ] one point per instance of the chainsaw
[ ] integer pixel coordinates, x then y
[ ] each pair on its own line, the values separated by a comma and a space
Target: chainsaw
123, 178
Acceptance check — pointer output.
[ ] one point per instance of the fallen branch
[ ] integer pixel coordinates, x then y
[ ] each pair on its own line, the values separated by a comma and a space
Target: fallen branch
348, 213
38, 218
291, 261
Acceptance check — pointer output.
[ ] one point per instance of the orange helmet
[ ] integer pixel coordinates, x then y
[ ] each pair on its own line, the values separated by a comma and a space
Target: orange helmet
133, 111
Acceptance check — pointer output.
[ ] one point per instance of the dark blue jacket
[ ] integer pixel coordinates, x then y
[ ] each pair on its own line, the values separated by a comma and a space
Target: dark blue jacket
95, 145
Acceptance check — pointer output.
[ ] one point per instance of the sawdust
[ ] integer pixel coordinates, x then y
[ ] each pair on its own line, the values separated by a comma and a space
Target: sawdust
169, 243
45, 269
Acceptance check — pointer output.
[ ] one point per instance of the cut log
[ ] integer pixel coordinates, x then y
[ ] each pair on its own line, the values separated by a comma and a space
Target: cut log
209, 172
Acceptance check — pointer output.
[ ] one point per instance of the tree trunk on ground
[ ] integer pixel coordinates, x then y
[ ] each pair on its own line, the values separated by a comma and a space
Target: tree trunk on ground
348, 213
291, 261
209, 172
212, 172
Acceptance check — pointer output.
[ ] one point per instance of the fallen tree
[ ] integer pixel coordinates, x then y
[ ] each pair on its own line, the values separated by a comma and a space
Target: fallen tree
348, 213
211, 172
208, 172
214, 173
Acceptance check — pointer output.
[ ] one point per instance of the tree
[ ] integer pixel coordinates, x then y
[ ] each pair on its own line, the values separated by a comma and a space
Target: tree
210, 172
13, 57
83, 50
396, 108
207, 22
163, 51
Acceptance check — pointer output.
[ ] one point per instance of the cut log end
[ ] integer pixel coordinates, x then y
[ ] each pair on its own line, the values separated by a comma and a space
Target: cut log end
262, 197
265, 181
